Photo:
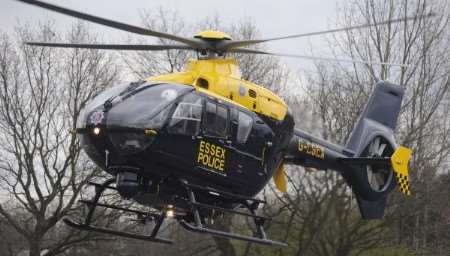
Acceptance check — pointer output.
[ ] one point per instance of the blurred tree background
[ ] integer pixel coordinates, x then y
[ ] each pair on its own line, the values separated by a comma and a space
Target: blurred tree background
43, 170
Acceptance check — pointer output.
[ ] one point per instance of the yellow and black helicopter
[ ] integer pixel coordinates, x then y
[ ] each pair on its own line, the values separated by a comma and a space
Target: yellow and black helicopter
203, 142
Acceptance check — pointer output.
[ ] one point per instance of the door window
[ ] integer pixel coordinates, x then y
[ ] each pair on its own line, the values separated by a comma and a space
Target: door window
245, 123
216, 120
187, 116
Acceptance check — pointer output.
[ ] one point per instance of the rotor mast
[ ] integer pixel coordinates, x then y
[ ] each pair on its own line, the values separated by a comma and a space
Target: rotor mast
213, 39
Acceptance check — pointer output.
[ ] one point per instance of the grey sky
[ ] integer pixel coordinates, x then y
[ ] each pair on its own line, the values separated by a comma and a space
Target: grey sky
273, 18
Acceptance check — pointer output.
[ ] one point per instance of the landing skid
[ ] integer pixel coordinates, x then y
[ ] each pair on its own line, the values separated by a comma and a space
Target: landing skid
194, 208
92, 204
250, 203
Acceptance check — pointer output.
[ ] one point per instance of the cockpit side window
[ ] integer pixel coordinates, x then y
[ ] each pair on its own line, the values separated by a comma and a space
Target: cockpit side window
187, 116
216, 120
144, 107
245, 123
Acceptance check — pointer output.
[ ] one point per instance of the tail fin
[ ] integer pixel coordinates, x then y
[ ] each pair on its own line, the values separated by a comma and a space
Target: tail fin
380, 116
373, 137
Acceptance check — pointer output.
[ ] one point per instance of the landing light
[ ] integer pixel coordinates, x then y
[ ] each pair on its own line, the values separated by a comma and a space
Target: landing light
170, 213
96, 130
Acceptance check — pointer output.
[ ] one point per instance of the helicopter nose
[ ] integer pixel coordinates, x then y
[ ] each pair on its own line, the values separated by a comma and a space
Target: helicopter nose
99, 135
130, 118
132, 141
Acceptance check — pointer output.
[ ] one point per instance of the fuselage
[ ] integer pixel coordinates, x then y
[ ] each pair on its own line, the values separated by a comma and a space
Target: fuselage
165, 131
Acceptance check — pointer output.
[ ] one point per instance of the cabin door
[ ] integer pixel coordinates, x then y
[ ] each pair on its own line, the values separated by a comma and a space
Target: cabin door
213, 151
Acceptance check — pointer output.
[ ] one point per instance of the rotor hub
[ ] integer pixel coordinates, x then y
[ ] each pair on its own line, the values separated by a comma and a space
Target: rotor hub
213, 35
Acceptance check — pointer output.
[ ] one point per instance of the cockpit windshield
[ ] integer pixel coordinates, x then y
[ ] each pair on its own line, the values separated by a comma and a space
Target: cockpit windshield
100, 100
145, 106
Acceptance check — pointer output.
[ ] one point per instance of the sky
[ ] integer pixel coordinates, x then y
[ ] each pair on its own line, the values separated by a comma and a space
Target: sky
272, 18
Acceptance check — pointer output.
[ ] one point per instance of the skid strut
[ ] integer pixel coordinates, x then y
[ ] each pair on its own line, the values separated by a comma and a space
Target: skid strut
250, 203
157, 217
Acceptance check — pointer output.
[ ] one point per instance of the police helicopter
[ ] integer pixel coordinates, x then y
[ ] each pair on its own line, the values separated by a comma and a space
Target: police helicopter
203, 142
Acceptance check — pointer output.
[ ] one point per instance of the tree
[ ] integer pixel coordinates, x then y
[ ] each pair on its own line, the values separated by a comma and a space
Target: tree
42, 168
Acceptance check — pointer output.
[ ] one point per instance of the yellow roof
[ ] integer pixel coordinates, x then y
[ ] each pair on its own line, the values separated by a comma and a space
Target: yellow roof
221, 78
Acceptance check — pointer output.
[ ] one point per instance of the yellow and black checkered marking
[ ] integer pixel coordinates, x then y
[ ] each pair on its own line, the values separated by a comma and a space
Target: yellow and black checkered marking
399, 162
403, 184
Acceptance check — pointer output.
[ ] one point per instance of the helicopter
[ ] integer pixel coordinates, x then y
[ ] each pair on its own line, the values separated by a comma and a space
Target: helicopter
197, 144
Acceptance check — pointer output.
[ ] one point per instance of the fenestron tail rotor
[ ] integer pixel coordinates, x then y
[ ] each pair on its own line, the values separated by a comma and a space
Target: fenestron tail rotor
378, 176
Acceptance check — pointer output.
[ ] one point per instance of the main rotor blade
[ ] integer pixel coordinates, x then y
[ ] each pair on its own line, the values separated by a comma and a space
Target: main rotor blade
250, 51
243, 43
125, 47
113, 24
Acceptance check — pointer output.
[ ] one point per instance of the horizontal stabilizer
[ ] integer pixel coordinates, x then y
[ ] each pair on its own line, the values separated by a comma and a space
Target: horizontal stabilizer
398, 162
